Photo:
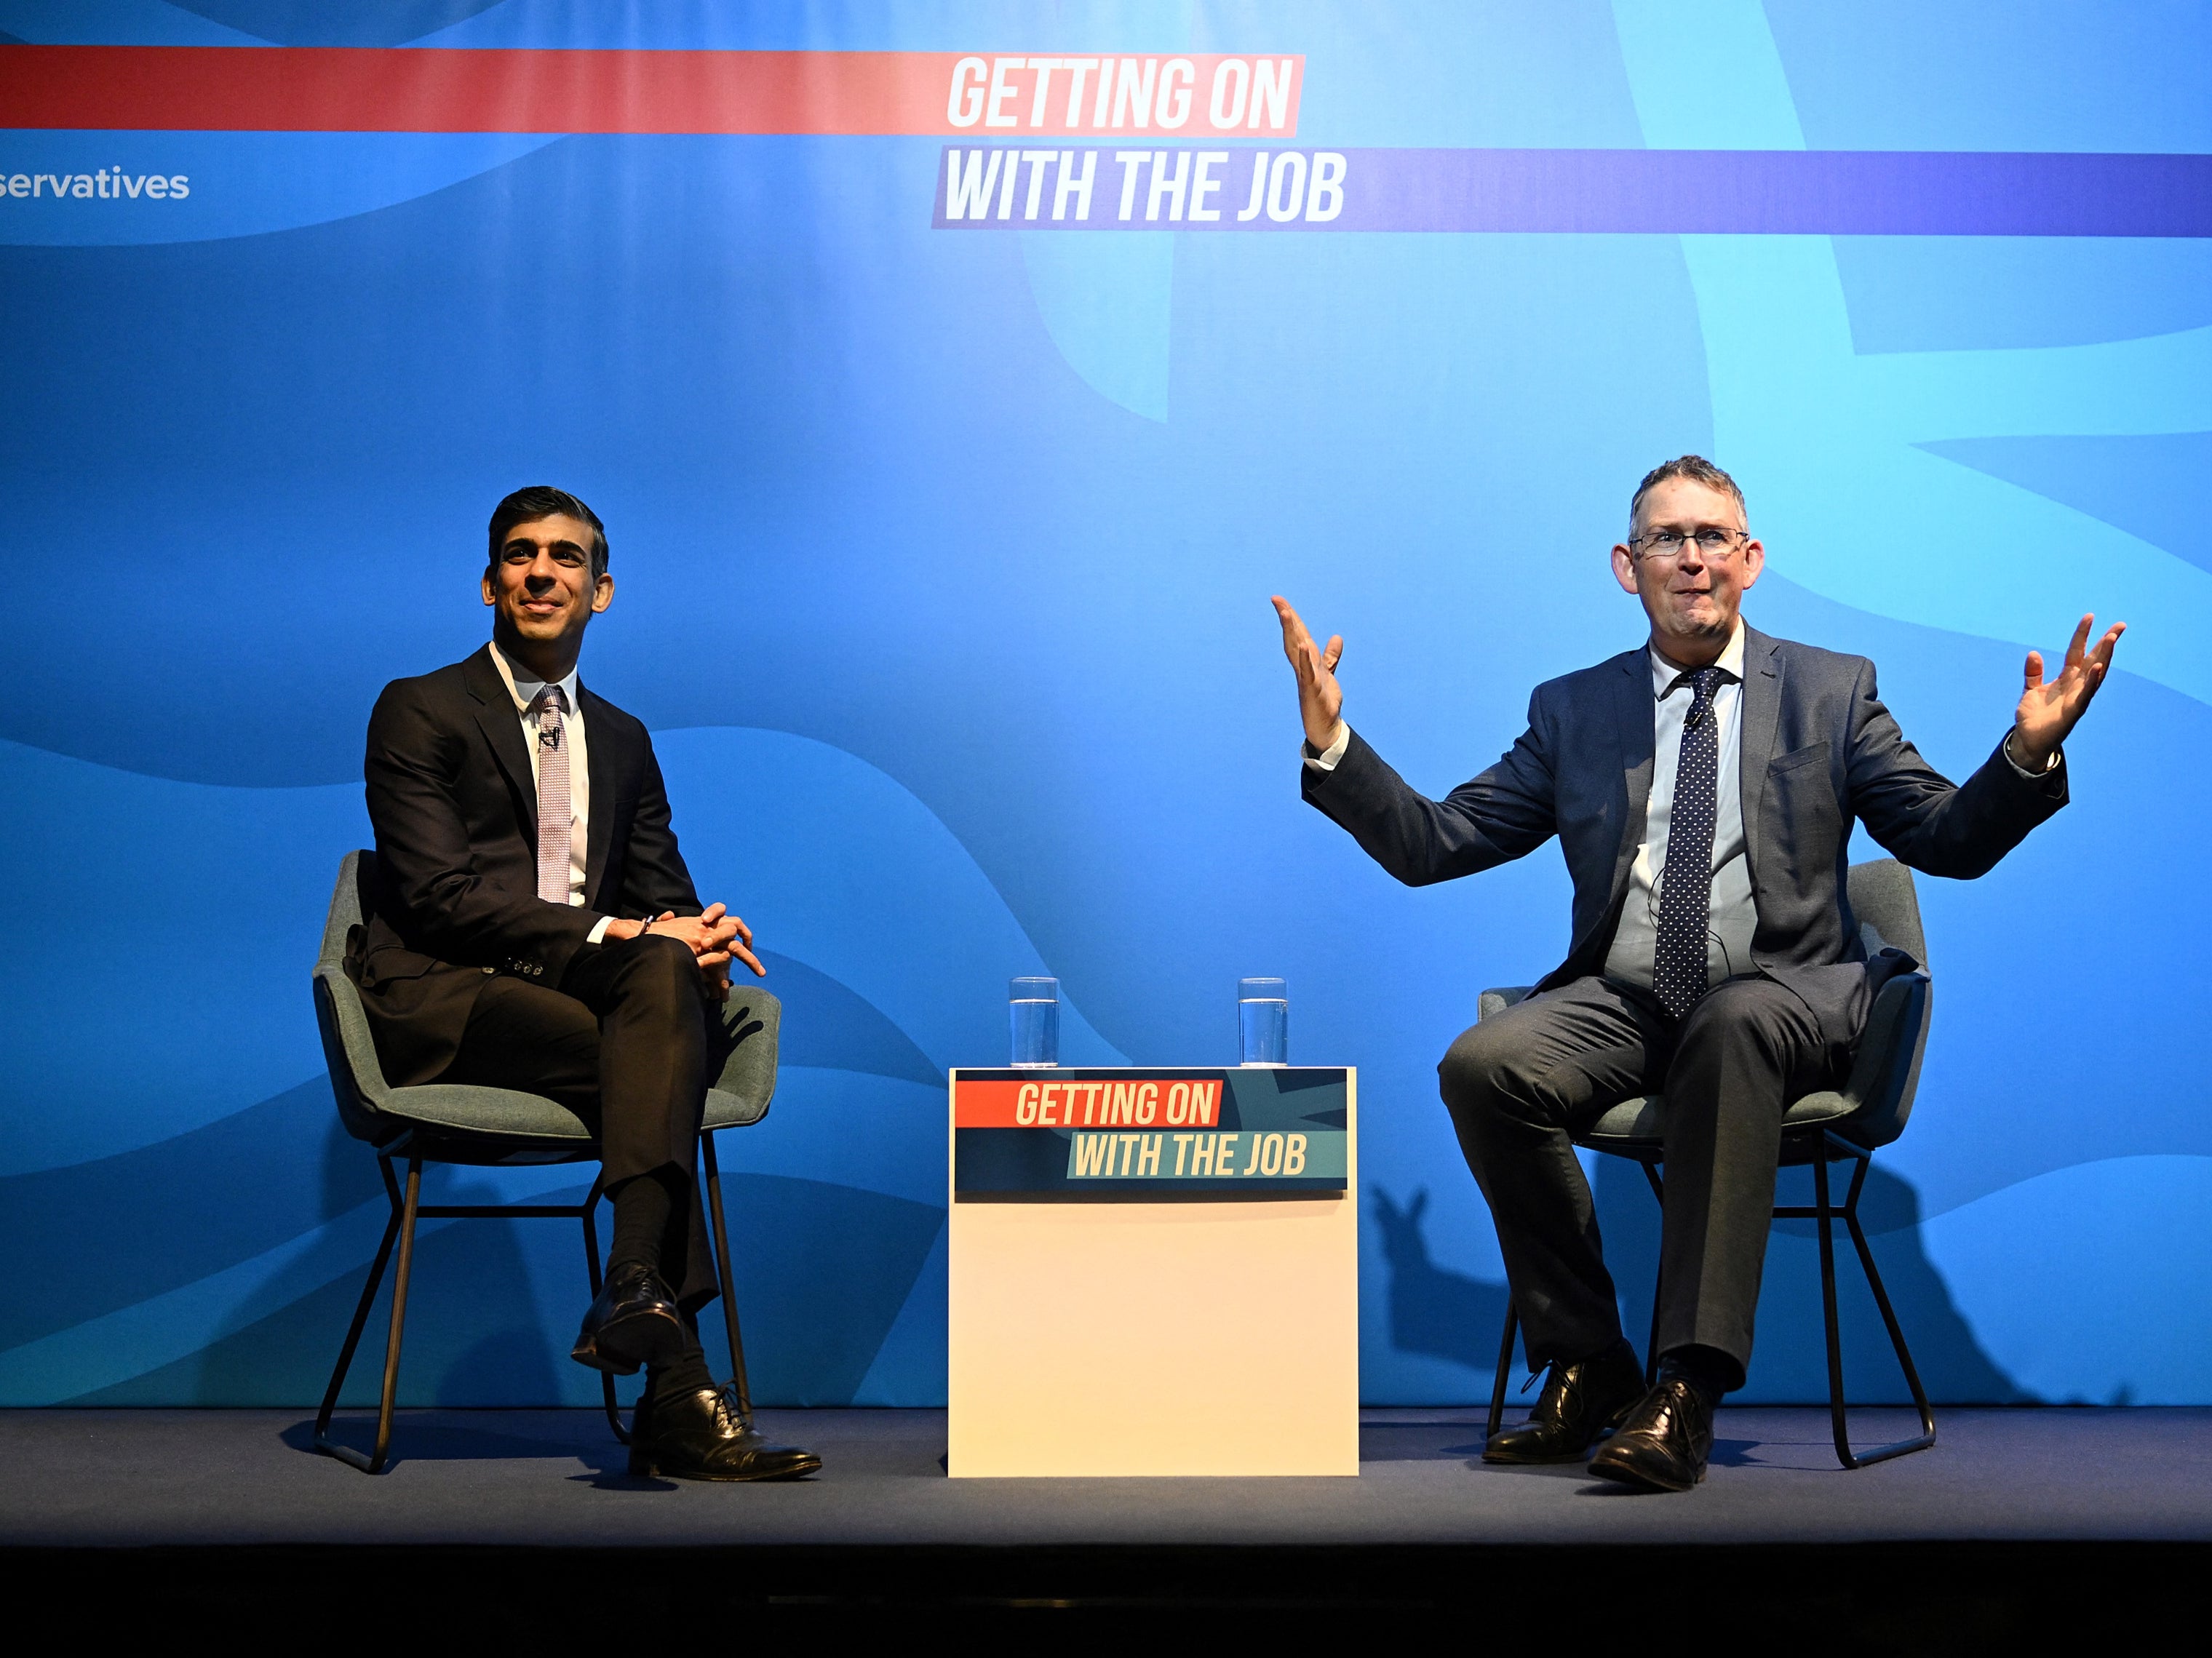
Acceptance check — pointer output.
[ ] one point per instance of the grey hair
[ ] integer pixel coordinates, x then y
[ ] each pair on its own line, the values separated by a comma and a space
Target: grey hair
1698, 470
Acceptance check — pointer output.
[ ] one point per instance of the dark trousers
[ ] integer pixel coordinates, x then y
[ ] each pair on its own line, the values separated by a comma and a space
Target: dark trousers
1520, 1083
629, 1043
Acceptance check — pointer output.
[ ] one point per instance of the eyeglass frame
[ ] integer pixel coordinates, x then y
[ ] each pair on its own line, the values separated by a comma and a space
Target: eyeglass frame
1737, 539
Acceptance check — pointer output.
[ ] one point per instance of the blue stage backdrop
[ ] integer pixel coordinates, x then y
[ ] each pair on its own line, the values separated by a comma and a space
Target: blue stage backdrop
944, 536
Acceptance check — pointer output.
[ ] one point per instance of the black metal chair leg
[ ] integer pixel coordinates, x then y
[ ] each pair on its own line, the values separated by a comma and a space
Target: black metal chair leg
1825, 1217
588, 1213
401, 1274
404, 1222
1926, 1437
324, 1443
1658, 1276
721, 1227
1826, 1221
1504, 1370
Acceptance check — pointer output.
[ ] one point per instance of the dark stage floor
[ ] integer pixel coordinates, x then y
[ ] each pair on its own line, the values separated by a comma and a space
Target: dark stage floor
2010, 1505
555, 1476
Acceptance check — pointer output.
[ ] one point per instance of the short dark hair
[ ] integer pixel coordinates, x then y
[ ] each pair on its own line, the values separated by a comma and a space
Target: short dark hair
1698, 470
544, 500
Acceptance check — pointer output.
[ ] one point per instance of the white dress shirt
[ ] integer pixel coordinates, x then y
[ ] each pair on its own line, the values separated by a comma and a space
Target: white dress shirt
524, 690
1734, 918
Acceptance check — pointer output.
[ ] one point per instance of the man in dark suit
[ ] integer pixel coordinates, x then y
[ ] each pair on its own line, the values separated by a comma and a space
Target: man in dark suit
1703, 788
535, 928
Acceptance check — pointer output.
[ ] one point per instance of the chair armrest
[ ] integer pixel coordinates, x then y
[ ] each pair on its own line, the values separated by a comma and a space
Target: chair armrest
349, 1053
753, 1019
1886, 1072
1495, 1001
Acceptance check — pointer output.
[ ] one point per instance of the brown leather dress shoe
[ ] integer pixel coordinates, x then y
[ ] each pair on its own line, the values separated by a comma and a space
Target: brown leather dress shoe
633, 1321
698, 1435
1579, 1402
1664, 1443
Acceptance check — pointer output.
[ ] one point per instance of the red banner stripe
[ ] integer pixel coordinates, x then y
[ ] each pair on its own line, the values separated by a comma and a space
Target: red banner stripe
1050, 1102
412, 89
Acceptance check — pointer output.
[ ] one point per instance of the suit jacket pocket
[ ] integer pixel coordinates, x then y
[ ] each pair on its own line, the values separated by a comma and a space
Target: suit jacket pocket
1809, 754
1804, 822
381, 964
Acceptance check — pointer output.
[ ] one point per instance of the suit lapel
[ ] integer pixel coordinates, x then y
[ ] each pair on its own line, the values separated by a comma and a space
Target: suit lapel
1762, 717
502, 729
599, 833
1633, 716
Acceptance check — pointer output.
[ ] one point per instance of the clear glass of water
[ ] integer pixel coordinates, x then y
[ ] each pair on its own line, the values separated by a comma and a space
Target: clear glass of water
1263, 1021
1033, 1013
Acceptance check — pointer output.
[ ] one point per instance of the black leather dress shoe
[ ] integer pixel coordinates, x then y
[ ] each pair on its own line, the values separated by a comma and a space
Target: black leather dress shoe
699, 1436
633, 1321
1663, 1444
1579, 1402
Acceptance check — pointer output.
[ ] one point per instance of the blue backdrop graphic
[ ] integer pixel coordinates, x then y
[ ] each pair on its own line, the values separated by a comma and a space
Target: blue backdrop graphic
943, 565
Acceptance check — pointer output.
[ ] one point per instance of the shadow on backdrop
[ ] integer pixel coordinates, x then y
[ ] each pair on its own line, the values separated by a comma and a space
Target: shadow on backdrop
1440, 1314
1434, 1311
195, 1204
822, 1272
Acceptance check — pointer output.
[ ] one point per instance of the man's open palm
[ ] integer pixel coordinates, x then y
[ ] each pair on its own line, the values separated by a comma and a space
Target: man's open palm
1321, 699
2049, 708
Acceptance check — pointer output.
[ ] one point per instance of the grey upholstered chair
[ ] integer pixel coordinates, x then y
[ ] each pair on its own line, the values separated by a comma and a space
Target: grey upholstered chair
1829, 1127
450, 1123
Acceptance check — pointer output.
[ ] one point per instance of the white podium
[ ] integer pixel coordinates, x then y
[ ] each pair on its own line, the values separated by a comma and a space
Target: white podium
1154, 1272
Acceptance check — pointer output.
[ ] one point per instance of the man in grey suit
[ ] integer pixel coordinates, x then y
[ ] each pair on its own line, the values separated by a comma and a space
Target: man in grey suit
1703, 788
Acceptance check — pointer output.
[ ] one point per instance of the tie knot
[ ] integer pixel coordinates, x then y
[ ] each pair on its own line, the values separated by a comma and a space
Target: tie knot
553, 698
1703, 682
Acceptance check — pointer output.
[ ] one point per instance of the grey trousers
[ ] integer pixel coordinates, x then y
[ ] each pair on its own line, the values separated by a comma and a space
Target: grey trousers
1520, 1083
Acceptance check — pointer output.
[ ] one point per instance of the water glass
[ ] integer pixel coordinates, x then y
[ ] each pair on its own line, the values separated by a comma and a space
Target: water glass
1033, 1012
1263, 1021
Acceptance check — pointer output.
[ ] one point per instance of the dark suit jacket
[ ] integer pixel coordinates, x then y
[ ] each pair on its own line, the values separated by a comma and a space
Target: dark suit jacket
455, 812
1819, 749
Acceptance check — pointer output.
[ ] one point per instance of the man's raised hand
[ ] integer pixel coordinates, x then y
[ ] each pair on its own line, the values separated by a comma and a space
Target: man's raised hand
1321, 699
2049, 709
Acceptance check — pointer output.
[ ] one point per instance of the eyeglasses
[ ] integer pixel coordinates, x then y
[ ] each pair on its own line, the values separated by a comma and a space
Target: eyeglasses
1712, 542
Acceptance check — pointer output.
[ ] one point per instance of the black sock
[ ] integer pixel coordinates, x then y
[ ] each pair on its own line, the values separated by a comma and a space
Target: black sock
1617, 1351
1709, 1369
642, 1208
684, 1375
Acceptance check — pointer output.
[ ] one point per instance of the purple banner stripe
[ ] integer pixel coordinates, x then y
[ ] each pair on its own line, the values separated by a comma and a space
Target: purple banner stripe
1761, 192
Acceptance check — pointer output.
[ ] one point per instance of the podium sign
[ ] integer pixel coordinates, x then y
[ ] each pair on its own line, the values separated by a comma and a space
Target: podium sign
1153, 1272
1224, 1133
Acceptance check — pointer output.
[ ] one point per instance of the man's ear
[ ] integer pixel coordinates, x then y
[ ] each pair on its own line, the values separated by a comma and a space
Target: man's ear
490, 593
1623, 570
603, 592
1755, 560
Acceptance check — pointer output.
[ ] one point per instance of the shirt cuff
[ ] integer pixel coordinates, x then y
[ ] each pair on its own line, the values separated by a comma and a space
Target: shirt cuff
598, 935
2005, 749
1326, 759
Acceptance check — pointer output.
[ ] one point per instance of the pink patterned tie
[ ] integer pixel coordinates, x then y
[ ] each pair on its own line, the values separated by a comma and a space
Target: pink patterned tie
555, 808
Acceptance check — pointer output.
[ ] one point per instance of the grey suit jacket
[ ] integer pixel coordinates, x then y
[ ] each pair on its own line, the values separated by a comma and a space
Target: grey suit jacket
1819, 749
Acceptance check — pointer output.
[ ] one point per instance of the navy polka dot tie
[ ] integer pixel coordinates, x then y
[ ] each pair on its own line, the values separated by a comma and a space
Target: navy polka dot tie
1685, 885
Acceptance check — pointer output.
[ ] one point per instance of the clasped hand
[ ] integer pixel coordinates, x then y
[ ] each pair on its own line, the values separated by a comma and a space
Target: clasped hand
713, 938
